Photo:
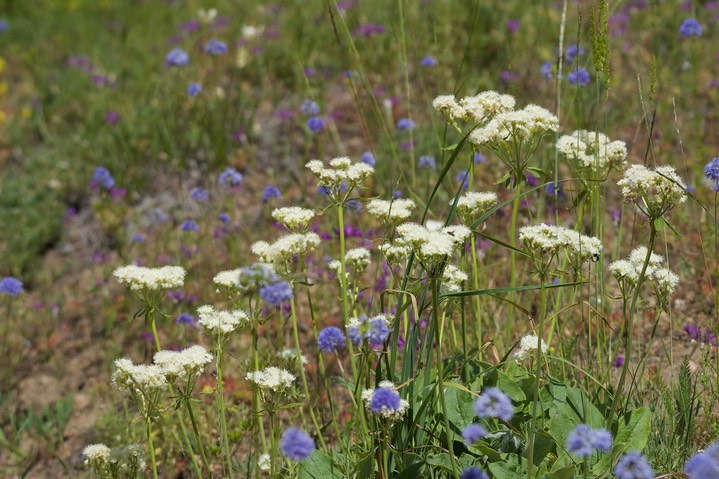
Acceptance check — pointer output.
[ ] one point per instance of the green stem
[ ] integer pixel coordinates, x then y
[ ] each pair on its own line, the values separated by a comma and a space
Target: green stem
255, 391
188, 445
205, 462
153, 461
303, 375
513, 258
223, 419
632, 310
478, 304
440, 375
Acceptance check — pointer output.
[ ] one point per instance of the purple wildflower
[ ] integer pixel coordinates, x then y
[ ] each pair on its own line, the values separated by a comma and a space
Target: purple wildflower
194, 89
618, 361
310, 108
633, 466
331, 339
112, 118
231, 176
200, 194
513, 26
315, 124
579, 76
296, 444
215, 47
584, 440
186, 319
473, 473
406, 124
368, 158
224, 217
427, 162
547, 70
473, 433
190, 225
11, 286
276, 294
102, 177
269, 193
690, 28
177, 57
428, 61
573, 51
384, 399
493, 402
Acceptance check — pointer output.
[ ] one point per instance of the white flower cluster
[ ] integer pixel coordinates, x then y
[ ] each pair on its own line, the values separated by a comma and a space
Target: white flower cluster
341, 170
294, 218
280, 254
272, 378
472, 204
220, 323
593, 150
527, 344
248, 279
452, 278
139, 278
264, 463
479, 108
655, 192
544, 241
138, 378
291, 355
392, 415
357, 260
127, 460
181, 366
627, 271
429, 245
394, 253
515, 126
391, 213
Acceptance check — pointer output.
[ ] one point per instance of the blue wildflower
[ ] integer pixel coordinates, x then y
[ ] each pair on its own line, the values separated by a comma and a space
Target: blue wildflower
378, 332
473, 433
633, 466
102, 177
138, 238
428, 61
315, 124
269, 193
4, 25
473, 473
186, 319
704, 464
296, 444
355, 335
224, 217
584, 440
331, 339
573, 51
368, 158
177, 57
690, 28
494, 403
427, 162
463, 179
189, 225
194, 89
711, 170
479, 157
579, 76
547, 70
406, 124
310, 108
231, 176
11, 286
215, 47
200, 194
384, 400
158, 215
277, 293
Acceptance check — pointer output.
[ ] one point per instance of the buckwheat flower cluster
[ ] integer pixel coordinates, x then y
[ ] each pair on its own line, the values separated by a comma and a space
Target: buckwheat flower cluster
527, 345
432, 246
452, 279
281, 253
486, 105
583, 441
515, 126
218, 325
393, 253
264, 463
593, 150
385, 402
179, 367
357, 260
341, 170
290, 355
246, 280
544, 242
272, 379
653, 191
294, 218
374, 330
128, 461
391, 213
473, 204
139, 278
140, 379
97, 458
449, 107
627, 272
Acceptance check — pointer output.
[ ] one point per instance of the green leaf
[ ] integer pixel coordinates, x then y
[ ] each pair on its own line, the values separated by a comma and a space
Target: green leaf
563, 473
440, 460
411, 472
632, 435
460, 410
507, 470
510, 387
319, 466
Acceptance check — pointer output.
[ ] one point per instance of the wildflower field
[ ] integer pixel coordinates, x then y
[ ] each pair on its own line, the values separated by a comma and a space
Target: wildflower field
359, 239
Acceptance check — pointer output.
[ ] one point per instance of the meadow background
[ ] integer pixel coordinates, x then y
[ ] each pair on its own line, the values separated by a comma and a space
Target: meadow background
198, 151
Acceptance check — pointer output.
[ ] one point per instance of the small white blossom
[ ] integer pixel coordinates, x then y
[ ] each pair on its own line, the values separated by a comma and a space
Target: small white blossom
527, 344
139, 278
654, 192
220, 323
96, 452
281, 253
182, 365
472, 204
264, 462
452, 278
357, 259
391, 212
291, 355
272, 378
138, 378
293, 218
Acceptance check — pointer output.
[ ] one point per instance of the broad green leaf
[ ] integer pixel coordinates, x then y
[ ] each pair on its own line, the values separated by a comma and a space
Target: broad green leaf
319, 466
632, 435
